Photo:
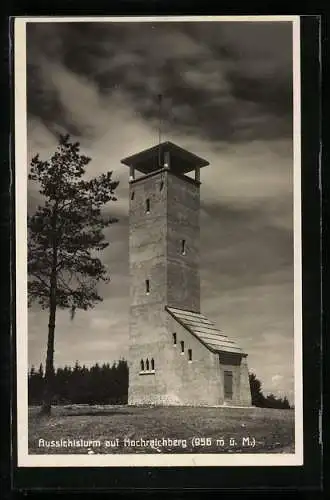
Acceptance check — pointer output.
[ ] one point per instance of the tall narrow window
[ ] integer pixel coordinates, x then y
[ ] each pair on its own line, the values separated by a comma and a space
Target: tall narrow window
147, 205
182, 347
189, 355
147, 364
147, 287
132, 195
152, 364
142, 365
167, 159
174, 338
183, 247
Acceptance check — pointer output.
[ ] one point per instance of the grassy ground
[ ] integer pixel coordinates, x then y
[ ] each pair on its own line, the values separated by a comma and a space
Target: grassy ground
268, 430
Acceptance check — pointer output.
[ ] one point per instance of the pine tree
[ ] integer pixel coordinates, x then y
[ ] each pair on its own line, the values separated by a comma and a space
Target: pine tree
258, 398
285, 403
64, 236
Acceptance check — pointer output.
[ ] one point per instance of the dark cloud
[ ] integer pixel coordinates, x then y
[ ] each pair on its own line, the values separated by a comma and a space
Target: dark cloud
224, 82
249, 250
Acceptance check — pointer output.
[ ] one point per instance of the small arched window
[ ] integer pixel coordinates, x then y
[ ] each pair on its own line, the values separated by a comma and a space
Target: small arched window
147, 206
174, 338
142, 365
152, 364
189, 355
182, 347
147, 364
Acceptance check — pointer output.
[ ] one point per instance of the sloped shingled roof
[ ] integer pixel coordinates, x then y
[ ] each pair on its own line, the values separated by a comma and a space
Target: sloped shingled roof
205, 331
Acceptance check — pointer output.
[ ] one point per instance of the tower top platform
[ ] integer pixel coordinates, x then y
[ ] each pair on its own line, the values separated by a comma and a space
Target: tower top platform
167, 155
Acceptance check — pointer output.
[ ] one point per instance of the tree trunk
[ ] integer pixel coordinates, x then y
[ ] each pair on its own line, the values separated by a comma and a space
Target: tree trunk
49, 372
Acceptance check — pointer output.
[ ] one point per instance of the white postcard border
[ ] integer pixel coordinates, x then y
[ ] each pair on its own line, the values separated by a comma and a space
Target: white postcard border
142, 460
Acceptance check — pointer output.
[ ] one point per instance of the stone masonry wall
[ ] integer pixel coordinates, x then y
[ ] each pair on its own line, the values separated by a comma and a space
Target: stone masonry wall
147, 261
195, 383
183, 285
155, 255
245, 399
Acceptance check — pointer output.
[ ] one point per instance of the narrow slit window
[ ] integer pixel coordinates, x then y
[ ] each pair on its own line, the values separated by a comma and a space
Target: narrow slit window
189, 355
147, 286
174, 338
147, 364
142, 365
167, 159
182, 347
132, 195
152, 364
183, 247
147, 205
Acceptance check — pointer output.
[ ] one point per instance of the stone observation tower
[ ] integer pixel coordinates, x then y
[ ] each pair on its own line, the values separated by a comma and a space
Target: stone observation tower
177, 356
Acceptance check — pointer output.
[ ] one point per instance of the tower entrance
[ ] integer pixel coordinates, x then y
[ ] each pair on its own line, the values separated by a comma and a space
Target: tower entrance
228, 385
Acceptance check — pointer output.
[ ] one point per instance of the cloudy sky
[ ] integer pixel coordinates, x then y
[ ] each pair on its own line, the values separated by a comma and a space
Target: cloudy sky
227, 91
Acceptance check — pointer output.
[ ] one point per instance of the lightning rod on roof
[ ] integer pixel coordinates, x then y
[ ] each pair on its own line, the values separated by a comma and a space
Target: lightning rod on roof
160, 99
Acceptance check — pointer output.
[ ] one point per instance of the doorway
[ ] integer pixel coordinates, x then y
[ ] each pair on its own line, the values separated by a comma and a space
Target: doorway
228, 384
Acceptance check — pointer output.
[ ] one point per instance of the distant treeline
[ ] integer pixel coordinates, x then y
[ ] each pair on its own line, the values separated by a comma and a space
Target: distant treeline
270, 401
108, 384
98, 384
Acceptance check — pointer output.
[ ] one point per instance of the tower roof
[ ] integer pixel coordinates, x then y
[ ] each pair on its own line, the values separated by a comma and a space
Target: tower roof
181, 160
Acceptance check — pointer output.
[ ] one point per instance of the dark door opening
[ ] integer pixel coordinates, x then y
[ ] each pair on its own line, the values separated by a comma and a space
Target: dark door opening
228, 384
